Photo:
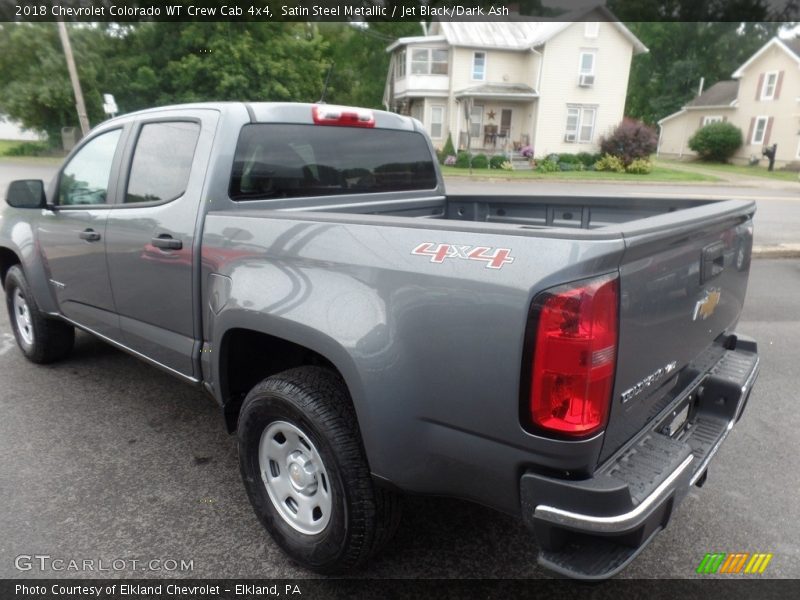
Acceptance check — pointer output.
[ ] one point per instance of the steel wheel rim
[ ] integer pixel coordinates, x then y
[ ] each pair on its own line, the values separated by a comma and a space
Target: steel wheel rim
22, 318
295, 478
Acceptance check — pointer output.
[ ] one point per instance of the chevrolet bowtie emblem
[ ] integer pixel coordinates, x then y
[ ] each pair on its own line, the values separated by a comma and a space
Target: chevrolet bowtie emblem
705, 308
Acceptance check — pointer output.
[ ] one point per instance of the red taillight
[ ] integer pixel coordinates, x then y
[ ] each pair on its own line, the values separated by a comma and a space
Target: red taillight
345, 116
575, 356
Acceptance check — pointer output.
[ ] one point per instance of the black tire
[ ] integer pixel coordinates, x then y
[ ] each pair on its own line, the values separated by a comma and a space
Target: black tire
47, 340
363, 516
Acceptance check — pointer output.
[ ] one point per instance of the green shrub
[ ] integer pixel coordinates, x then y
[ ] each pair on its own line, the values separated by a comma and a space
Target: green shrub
507, 166
496, 162
716, 141
462, 159
27, 149
641, 166
546, 165
630, 140
448, 149
479, 161
610, 163
570, 166
570, 159
588, 159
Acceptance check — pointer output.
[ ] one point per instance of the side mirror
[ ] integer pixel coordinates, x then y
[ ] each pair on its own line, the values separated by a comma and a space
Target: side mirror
26, 193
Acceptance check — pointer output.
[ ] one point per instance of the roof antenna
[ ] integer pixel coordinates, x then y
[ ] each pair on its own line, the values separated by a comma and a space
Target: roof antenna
327, 80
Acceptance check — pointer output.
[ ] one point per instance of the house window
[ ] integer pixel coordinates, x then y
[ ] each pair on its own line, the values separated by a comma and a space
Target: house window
475, 122
759, 130
770, 83
712, 119
400, 65
591, 29
479, 66
437, 121
580, 124
587, 63
586, 69
428, 61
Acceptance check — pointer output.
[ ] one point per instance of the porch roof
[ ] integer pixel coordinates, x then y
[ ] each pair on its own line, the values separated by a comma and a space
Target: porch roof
500, 91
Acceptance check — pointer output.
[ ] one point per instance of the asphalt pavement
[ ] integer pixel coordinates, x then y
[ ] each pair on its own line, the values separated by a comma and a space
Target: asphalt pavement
106, 458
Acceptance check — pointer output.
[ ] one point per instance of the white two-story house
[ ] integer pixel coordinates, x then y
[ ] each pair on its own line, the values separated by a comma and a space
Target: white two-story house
498, 86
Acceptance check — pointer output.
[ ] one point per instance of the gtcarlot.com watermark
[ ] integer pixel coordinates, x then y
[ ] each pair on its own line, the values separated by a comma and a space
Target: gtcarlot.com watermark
47, 563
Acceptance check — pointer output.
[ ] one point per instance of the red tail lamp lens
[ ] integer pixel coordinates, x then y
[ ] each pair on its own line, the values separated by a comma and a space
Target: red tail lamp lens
575, 356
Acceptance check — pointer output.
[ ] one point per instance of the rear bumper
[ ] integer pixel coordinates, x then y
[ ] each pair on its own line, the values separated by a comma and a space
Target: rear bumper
592, 528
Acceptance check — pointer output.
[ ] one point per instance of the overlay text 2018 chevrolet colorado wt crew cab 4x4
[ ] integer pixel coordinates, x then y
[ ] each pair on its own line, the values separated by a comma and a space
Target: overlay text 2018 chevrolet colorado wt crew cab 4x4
570, 360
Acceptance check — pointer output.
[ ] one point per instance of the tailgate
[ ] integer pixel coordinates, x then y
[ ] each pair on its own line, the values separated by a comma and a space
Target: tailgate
683, 280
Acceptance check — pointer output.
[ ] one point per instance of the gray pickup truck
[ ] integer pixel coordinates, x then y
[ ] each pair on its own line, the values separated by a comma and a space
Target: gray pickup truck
572, 361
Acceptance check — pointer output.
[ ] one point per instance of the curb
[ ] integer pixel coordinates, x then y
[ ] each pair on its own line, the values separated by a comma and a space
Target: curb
777, 251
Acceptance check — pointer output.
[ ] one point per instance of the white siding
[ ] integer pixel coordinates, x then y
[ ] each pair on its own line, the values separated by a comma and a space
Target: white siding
783, 111
560, 85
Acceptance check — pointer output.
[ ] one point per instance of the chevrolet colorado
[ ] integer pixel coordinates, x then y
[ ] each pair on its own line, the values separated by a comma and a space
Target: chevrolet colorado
573, 361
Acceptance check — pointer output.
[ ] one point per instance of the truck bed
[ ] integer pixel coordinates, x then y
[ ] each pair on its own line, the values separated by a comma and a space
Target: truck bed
526, 211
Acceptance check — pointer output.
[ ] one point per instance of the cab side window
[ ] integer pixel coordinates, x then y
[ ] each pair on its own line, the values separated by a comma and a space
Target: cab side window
84, 181
162, 161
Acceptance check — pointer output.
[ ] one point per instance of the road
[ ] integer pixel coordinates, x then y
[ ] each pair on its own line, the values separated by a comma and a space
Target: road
107, 458
777, 220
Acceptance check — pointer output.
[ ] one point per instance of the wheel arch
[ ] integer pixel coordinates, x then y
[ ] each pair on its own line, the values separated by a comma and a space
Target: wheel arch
247, 352
8, 258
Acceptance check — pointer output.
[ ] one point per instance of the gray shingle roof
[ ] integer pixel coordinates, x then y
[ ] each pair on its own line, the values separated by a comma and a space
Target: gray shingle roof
721, 93
794, 45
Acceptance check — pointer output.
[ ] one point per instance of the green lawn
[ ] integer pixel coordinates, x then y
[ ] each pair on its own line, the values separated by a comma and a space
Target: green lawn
755, 171
658, 174
49, 157
6, 145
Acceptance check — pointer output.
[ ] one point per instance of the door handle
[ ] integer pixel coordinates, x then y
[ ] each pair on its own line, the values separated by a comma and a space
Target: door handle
90, 235
166, 242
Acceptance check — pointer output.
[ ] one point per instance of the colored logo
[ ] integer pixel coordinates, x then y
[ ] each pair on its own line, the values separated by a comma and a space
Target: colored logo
705, 308
734, 563
494, 258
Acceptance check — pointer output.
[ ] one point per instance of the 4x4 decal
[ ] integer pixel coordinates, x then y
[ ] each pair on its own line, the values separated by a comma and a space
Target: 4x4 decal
494, 258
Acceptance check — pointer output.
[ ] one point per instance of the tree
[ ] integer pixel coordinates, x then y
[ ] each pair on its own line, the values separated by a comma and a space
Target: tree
153, 64
37, 90
667, 77
358, 53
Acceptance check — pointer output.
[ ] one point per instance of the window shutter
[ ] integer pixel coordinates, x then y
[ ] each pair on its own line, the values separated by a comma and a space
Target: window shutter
750, 131
760, 85
778, 85
768, 131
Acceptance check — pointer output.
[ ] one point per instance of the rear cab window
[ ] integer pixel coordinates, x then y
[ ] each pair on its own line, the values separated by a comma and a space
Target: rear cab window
277, 160
162, 161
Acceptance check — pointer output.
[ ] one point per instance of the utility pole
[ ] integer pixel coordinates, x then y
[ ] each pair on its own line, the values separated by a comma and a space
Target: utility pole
73, 75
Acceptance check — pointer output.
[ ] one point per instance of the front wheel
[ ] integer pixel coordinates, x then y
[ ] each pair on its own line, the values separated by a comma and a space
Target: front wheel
41, 339
306, 474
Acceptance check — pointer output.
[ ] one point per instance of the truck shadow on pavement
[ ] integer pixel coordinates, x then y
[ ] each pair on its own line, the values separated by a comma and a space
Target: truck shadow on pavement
146, 468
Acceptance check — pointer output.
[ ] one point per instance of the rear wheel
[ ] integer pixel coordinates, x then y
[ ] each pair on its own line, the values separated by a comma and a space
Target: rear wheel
41, 339
306, 474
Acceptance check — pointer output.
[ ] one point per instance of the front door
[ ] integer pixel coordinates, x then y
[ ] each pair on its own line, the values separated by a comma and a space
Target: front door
150, 236
72, 236
505, 122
